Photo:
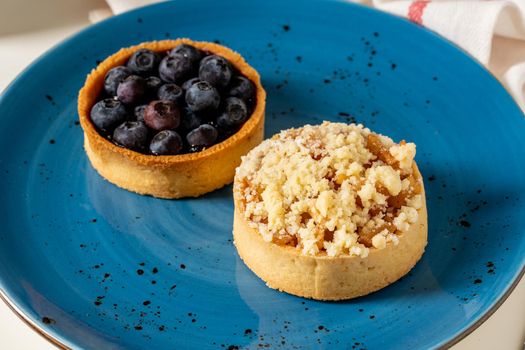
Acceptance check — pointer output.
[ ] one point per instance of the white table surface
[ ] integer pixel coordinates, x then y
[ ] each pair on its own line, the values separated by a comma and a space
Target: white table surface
48, 22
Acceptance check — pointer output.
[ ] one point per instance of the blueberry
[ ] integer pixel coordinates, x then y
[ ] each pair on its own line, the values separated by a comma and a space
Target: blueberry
138, 112
205, 136
131, 90
132, 135
223, 121
171, 92
235, 113
144, 62
175, 69
222, 133
202, 97
188, 51
107, 114
188, 83
214, 124
166, 142
153, 84
189, 120
216, 70
114, 77
225, 132
242, 88
194, 149
162, 115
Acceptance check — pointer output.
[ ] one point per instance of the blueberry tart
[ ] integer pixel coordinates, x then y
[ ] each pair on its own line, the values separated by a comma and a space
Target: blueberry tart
171, 118
330, 212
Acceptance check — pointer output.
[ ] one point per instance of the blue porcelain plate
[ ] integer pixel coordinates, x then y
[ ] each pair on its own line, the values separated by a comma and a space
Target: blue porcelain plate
95, 267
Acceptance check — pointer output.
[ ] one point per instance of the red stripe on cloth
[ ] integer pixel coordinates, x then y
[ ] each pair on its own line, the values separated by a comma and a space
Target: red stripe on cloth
416, 9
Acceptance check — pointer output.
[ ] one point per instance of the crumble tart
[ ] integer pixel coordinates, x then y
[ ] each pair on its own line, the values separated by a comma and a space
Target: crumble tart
166, 165
330, 212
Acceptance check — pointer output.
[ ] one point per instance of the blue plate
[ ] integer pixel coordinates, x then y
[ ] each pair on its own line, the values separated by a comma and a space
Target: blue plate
93, 266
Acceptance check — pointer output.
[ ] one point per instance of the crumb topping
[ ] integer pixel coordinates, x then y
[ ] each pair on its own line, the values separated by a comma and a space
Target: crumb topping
330, 189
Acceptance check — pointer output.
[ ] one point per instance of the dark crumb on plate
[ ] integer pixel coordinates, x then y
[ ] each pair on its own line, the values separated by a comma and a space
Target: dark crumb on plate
51, 100
98, 301
464, 223
48, 320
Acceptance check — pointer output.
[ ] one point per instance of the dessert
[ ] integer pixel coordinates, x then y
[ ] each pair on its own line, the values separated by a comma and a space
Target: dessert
171, 118
330, 212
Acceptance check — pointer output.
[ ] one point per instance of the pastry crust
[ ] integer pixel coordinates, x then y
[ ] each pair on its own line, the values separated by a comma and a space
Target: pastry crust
185, 175
329, 278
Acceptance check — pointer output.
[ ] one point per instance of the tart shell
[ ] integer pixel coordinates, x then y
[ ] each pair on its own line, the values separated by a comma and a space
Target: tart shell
185, 175
328, 278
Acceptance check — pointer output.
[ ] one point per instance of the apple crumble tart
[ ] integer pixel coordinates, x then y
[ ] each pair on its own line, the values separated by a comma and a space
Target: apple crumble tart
332, 192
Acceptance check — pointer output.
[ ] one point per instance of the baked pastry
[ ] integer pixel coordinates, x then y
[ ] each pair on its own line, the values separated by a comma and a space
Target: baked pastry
330, 212
171, 118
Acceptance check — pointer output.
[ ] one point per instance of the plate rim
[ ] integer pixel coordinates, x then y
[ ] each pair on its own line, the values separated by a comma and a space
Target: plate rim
56, 340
